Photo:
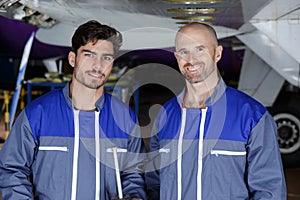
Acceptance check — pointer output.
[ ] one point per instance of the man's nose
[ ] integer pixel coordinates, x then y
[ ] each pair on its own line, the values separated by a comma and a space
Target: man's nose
97, 63
192, 58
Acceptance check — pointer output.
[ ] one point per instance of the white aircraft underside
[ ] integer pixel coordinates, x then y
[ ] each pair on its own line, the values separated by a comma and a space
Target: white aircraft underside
268, 29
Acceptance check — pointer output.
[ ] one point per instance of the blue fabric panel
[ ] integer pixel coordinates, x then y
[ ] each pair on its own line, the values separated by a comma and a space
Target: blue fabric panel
232, 117
112, 122
86, 178
44, 109
170, 125
52, 105
87, 124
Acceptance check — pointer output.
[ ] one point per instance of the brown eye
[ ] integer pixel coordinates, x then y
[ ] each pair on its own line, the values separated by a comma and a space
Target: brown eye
90, 55
199, 49
183, 53
107, 58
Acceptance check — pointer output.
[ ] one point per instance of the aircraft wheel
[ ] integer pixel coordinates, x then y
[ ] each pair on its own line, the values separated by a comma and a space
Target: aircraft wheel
287, 119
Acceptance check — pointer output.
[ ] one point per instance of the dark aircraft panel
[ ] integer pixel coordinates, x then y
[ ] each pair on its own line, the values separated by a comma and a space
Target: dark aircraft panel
9, 69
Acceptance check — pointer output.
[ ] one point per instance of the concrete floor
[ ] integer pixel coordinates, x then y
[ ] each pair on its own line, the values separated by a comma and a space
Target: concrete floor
292, 177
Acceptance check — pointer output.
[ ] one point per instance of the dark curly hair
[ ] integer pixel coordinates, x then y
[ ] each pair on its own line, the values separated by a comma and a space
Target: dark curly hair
92, 31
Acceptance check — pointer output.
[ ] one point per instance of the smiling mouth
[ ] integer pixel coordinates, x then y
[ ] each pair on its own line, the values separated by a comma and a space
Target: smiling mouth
96, 75
193, 68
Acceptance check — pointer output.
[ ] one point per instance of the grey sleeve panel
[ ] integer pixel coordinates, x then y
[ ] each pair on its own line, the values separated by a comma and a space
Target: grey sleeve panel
152, 169
265, 171
133, 180
16, 158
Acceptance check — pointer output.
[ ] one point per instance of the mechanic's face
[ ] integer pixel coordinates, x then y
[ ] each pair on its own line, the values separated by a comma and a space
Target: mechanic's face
197, 54
93, 63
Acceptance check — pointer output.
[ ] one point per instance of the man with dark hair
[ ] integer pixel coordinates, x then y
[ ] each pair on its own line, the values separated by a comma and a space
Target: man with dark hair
212, 142
62, 144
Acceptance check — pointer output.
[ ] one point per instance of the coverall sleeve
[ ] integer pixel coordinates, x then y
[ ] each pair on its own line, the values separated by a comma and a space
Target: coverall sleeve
265, 171
133, 182
16, 158
152, 169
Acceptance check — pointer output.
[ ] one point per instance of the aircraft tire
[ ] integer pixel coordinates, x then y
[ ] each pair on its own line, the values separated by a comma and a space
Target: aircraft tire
287, 118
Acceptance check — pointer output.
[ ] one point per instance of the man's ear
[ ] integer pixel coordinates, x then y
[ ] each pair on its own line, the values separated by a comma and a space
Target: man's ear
71, 58
176, 55
218, 54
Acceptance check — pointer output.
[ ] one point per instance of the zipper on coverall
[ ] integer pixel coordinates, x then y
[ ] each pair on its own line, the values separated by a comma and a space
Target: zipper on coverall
200, 153
76, 152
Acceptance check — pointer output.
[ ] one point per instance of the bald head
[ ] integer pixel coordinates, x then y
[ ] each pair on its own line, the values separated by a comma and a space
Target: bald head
197, 52
200, 28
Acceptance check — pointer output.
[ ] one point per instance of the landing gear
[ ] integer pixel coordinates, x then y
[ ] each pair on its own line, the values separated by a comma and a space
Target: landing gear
287, 118
288, 132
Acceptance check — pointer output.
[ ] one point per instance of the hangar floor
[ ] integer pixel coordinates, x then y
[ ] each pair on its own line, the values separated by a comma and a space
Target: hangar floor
292, 178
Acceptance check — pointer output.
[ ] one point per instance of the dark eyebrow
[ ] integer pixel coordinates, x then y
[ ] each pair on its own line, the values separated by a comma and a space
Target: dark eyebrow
199, 46
108, 54
182, 49
94, 53
88, 51
202, 46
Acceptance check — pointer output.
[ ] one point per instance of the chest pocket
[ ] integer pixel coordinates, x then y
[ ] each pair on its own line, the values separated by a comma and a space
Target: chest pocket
52, 164
228, 153
228, 169
168, 153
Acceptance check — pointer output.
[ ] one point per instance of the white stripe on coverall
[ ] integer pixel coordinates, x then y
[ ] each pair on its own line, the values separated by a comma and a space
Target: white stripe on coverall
200, 152
76, 152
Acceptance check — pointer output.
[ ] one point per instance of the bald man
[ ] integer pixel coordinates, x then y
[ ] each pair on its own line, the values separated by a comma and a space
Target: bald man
212, 141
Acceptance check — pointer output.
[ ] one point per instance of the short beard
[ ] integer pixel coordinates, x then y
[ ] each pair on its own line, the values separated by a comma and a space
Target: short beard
81, 80
203, 76
199, 79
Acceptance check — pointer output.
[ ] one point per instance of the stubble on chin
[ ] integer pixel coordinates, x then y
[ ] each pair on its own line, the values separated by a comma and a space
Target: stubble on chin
89, 82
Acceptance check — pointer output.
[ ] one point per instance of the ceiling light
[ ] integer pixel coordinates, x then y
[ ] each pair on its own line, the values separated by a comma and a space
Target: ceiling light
192, 10
193, 1
39, 19
187, 22
195, 18
5, 4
